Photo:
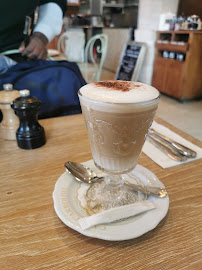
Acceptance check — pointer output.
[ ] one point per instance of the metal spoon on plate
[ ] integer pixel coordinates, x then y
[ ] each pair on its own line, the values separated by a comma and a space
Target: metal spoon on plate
86, 175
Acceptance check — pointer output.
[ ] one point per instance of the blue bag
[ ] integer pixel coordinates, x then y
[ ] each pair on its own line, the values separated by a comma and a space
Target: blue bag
55, 83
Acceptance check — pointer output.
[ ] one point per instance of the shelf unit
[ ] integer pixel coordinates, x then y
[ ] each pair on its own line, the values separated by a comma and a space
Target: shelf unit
179, 79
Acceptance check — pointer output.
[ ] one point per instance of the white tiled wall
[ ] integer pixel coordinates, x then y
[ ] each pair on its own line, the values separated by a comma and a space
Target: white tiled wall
148, 21
150, 10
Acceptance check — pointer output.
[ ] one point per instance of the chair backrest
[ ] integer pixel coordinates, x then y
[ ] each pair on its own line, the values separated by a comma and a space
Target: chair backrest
97, 44
71, 43
61, 43
92, 66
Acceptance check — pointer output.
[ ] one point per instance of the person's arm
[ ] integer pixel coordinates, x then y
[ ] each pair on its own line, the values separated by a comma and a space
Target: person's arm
49, 25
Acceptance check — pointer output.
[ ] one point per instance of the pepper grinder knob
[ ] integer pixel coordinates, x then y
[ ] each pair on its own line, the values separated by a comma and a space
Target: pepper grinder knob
8, 87
24, 93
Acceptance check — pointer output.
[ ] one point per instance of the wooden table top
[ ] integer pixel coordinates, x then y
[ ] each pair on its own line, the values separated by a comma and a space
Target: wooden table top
33, 237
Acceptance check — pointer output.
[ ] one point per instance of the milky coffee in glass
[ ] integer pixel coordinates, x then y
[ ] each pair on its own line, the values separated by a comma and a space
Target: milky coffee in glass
118, 115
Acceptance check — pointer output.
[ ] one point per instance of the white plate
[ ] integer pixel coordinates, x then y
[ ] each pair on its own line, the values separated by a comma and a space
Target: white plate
69, 210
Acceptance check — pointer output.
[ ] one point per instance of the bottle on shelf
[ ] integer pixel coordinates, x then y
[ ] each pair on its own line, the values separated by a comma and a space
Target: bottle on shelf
180, 57
165, 54
172, 55
10, 121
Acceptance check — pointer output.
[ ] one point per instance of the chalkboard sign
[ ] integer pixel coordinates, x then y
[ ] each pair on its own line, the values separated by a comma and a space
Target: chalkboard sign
131, 61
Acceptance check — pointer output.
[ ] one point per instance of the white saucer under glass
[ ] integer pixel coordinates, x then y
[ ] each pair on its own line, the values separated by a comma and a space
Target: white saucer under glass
69, 204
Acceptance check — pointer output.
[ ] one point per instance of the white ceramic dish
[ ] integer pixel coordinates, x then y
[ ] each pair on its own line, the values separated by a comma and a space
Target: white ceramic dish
69, 210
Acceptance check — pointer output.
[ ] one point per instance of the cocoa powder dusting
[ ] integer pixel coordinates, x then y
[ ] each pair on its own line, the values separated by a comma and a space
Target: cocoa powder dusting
117, 85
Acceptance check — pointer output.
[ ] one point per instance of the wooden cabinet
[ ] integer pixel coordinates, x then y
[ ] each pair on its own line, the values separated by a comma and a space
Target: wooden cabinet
181, 79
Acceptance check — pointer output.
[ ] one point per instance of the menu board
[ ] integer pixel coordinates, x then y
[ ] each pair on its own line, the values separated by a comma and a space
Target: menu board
131, 61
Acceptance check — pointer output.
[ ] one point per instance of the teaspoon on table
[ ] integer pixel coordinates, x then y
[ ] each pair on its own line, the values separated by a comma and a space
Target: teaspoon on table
86, 175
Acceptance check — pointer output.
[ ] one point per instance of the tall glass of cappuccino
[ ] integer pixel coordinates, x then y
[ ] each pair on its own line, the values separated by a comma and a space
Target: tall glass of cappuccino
118, 115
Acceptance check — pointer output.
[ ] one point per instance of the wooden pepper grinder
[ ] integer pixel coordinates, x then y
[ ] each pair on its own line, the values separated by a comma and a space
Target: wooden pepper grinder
30, 133
10, 121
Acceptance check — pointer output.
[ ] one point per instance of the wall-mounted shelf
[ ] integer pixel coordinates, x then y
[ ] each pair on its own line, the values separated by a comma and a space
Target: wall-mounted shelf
73, 3
113, 5
120, 4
